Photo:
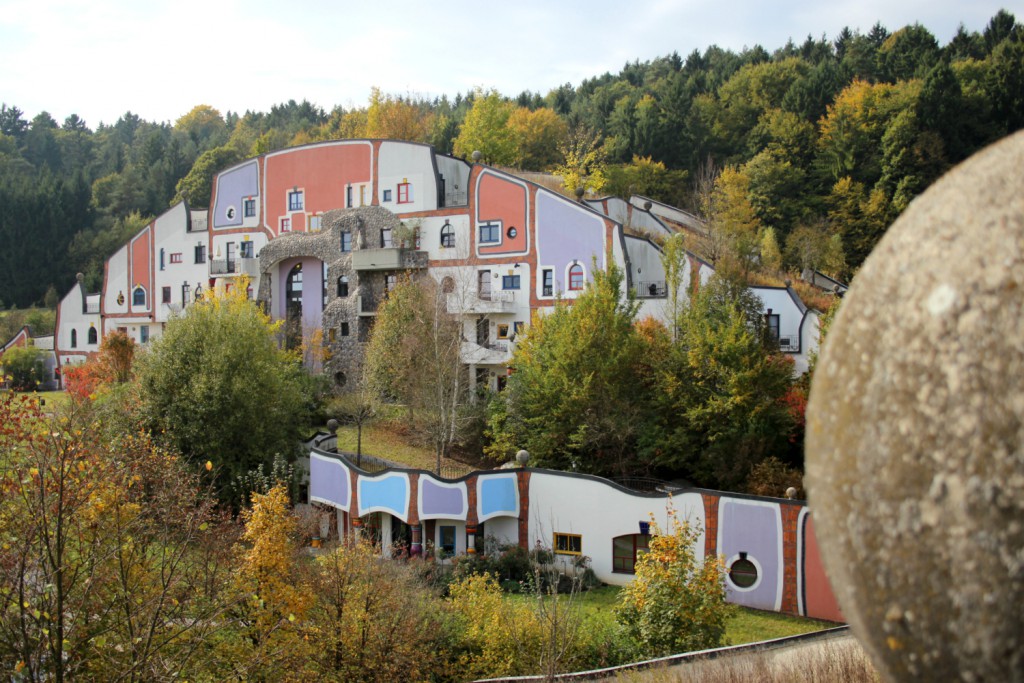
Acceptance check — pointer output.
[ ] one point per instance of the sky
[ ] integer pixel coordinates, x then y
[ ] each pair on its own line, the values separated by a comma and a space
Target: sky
158, 59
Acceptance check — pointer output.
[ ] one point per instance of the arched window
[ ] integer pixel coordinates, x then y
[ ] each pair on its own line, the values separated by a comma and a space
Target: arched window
625, 550
575, 277
74, 339
293, 307
343, 286
447, 235
139, 297
92, 336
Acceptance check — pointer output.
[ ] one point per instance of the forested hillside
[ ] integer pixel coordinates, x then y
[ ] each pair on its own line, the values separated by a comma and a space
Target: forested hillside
824, 143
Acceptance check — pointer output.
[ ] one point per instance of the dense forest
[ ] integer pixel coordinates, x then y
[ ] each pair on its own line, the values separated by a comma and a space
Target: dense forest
825, 141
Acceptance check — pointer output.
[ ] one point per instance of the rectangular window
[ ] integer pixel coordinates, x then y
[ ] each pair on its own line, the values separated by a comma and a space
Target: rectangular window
348, 197
362, 195
548, 287
502, 331
165, 295
247, 250
387, 196
176, 258
446, 540
510, 282
390, 282
385, 238
518, 327
773, 327
314, 223
568, 544
161, 259
404, 193
332, 336
200, 253
490, 233
249, 208
484, 285
143, 334
286, 225
344, 329
346, 241
295, 200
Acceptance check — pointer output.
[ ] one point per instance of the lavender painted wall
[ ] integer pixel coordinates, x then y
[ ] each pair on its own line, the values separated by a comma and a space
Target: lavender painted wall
566, 231
232, 187
438, 500
754, 528
329, 482
312, 291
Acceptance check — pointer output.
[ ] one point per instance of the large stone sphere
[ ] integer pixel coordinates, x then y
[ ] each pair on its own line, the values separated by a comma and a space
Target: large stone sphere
915, 433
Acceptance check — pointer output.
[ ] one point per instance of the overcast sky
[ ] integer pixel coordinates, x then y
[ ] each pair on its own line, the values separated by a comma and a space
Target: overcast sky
158, 59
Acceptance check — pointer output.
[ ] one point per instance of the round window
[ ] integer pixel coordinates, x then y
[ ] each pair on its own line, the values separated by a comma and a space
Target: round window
512, 232
743, 573
230, 213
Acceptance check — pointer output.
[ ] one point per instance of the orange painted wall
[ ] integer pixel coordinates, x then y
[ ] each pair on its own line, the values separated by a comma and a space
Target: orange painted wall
323, 172
819, 599
505, 201
141, 264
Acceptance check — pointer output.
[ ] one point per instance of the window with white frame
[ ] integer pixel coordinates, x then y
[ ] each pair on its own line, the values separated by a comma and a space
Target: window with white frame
314, 223
165, 295
139, 297
74, 338
446, 540
286, 225
247, 249
490, 233
176, 257
143, 334
510, 281
93, 336
385, 238
200, 253
568, 544
548, 282
296, 201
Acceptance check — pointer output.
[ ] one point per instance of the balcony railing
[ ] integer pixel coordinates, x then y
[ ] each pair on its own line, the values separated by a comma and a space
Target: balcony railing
652, 289
223, 267
92, 308
506, 295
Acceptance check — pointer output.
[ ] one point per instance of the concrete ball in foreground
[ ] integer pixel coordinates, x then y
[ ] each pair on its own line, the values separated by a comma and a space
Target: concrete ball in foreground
915, 433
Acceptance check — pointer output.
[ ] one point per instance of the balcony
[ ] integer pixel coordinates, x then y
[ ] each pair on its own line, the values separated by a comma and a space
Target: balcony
655, 289
481, 303
388, 258
223, 267
490, 353
249, 267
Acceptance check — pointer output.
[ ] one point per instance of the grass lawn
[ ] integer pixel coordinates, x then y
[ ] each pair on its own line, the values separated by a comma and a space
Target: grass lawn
52, 399
380, 440
746, 625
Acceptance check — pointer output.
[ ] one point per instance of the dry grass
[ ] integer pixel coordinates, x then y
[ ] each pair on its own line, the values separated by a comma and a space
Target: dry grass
383, 441
840, 660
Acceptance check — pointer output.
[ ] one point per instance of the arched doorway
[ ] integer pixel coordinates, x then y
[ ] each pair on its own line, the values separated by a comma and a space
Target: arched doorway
293, 307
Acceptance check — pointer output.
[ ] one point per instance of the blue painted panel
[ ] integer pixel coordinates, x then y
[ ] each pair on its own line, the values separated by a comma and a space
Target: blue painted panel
498, 496
387, 494
329, 482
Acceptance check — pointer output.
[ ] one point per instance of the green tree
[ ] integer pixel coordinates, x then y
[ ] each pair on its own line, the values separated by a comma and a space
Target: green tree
538, 133
414, 357
221, 390
584, 161
23, 367
573, 399
486, 130
717, 396
197, 186
676, 602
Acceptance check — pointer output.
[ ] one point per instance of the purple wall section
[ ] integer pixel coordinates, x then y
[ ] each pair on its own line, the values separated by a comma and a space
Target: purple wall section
329, 481
441, 500
232, 187
565, 232
753, 528
312, 291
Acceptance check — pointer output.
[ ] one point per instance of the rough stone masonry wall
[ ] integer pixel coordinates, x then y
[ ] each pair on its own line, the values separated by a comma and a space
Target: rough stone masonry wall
365, 224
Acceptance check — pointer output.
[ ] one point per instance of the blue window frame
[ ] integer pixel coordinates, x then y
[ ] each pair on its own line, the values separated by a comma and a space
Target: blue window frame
139, 297
249, 208
295, 200
510, 282
490, 233
387, 196
346, 241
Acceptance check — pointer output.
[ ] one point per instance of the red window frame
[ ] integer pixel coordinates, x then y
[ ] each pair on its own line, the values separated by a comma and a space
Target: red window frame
626, 564
403, 193
575, 278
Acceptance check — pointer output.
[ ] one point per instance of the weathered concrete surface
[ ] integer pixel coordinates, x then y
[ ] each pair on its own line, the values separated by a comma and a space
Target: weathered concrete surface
915, 439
